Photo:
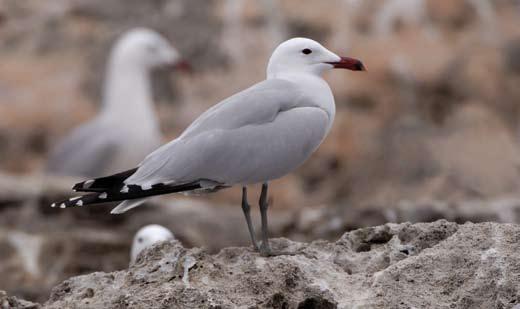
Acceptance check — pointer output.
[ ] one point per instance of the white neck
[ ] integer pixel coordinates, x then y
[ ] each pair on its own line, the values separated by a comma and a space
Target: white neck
127, 96
314, 87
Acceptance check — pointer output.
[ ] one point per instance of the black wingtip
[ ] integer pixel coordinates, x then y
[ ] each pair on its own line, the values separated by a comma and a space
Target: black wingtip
123, 192
104, 183
82, 186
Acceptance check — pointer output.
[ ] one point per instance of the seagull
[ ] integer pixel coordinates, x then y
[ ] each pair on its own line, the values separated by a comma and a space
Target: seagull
259, 134
147, 236
111, 141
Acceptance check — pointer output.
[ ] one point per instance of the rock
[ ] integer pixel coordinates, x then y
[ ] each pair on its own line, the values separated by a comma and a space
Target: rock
11, 302
424, 265
40, 246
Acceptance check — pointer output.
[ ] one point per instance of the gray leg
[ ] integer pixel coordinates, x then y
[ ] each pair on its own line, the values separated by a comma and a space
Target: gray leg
247, 213
265, 249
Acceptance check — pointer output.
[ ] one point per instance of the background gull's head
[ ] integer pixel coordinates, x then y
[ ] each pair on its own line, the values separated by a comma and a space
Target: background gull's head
147, 236
145, 48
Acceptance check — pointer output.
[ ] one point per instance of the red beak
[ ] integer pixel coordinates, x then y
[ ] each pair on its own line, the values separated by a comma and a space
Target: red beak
183, 65
349, 64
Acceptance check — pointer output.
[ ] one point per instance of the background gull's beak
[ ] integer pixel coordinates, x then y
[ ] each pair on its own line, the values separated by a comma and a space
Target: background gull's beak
183, 65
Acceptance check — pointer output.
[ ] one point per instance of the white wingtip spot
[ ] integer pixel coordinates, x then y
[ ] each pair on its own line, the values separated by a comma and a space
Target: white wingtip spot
103, 196
146, 187
124, 189
62, 205
88, 183
79, 203
53, 205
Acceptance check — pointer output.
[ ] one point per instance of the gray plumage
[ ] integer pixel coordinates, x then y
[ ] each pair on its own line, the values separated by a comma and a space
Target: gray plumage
254, 136
126, 129
259, 134
84, 152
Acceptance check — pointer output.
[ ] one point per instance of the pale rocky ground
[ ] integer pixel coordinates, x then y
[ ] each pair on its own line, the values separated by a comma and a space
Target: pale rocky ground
42, 246
424, 265
13, 302
429, 132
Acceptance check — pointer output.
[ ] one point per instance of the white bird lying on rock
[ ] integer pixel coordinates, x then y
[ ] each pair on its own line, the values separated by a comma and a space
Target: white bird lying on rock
254, 136
112, 141
147, 236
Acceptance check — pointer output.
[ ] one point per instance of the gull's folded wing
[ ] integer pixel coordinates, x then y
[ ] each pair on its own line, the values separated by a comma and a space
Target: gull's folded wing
273, 113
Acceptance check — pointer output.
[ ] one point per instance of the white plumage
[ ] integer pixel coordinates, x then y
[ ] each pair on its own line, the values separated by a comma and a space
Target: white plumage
112, 141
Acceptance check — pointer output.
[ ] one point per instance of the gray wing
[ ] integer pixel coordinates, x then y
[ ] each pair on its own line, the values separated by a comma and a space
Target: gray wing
259, 134
255, 105
87, 151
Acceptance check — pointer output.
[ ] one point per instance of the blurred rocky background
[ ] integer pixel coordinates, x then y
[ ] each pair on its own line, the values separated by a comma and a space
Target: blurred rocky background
430, 131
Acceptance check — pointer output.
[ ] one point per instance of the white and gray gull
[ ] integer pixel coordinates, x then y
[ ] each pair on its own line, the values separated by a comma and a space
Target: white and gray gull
146, 237
112, 141
257, 135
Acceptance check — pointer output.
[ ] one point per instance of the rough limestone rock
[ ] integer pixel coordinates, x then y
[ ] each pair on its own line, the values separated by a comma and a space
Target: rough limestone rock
8, 302
424, 265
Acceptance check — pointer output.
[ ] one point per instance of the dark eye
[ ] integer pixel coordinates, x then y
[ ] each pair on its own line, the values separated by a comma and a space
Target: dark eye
140, 240
306, 51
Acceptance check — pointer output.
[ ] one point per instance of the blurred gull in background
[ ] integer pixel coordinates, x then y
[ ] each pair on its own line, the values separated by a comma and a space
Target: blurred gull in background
126, 128
147, 236
254, 136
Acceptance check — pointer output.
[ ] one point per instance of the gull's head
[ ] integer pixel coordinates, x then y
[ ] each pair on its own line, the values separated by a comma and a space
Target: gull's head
306, 55
147, 236
146, 49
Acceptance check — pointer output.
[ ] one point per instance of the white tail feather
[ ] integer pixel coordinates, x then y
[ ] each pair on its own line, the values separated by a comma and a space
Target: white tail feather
127, 205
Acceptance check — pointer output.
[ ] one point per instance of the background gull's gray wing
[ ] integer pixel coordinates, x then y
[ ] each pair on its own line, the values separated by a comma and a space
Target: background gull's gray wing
262, 132
87, 151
